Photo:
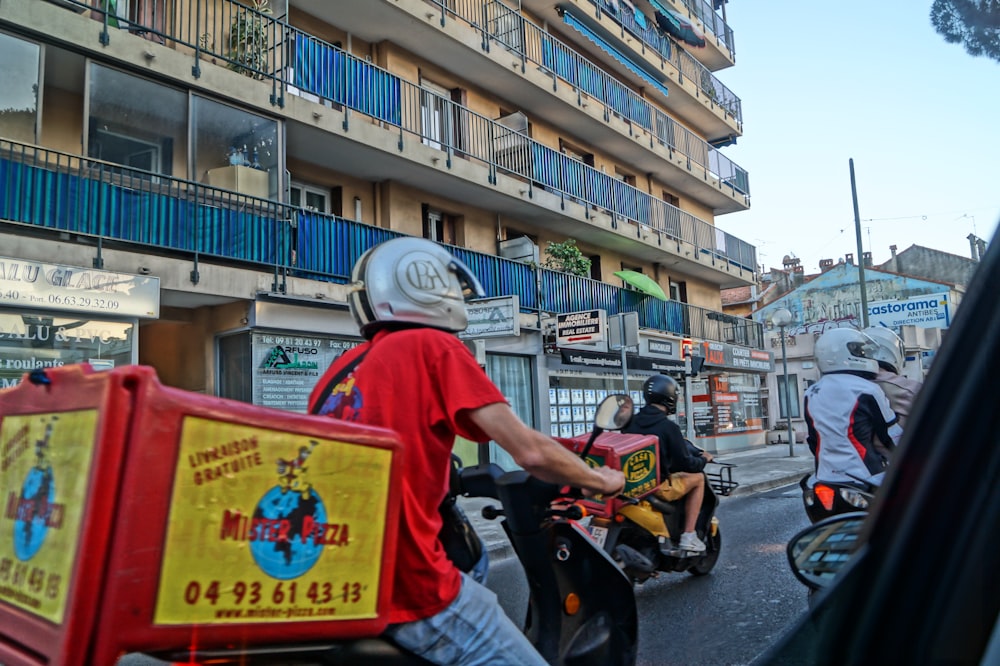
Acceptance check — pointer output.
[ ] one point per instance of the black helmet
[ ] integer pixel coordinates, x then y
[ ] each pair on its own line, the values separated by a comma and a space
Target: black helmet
661, 390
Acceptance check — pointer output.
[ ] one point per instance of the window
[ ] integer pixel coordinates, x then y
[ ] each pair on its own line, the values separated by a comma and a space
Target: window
19, 85
678, 291
434, 123
136, 122
595, 267
227, 139
793, 393
309, 197
438, 226
671, 199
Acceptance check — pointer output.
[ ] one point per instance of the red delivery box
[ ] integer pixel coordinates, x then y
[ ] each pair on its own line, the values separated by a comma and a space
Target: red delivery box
150, 519
635, 455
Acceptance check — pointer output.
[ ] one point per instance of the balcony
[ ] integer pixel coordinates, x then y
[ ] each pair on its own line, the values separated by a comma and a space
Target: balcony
101, 203
514, 51
520, 176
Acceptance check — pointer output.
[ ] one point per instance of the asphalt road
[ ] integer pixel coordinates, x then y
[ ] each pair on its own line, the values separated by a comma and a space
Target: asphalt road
726, 618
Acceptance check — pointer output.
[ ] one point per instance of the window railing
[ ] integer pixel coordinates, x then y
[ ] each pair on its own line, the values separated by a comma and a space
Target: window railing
714, 23
102, 201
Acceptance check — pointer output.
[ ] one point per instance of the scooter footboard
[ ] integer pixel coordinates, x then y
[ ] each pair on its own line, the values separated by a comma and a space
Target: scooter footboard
573, 580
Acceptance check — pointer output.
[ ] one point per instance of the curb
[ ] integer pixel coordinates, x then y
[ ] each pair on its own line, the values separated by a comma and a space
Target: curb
769, 484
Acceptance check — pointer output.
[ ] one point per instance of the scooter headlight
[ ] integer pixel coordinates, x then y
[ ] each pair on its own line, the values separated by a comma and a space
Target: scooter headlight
854, 498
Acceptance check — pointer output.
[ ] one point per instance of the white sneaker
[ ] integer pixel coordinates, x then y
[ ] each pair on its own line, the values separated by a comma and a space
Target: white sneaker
691, 542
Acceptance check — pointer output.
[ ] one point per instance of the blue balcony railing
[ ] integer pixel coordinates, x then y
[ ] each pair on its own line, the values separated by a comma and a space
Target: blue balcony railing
101, 201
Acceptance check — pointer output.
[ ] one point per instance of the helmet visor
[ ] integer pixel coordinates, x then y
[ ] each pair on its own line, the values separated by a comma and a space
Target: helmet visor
866, 349
469, 283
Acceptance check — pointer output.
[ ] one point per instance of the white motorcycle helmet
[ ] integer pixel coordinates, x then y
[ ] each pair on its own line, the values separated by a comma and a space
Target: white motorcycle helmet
846, 350
411, 281
891, 353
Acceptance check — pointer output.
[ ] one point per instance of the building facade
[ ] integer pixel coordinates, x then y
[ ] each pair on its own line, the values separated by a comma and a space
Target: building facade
187, 185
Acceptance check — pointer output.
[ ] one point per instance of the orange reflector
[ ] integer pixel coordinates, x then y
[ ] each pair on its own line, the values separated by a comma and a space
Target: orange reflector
583, 510
571, 604
825, 495
619, 518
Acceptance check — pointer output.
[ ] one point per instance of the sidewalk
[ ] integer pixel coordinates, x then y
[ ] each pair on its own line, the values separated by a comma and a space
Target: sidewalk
756, 470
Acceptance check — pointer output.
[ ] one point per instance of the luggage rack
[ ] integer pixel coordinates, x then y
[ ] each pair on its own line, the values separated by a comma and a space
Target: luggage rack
722, 481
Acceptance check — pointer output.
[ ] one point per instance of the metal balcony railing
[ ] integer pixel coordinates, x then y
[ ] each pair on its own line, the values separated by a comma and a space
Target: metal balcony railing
296, 61
106, 202
705, 12
684, 62
506, 27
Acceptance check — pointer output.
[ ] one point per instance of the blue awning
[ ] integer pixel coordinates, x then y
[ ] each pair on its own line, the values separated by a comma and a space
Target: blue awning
634, 67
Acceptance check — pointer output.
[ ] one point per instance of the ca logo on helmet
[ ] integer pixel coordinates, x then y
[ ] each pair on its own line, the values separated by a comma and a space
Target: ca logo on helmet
422, 277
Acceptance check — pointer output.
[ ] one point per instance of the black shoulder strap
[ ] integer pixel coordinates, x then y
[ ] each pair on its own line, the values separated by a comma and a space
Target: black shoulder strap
336, 379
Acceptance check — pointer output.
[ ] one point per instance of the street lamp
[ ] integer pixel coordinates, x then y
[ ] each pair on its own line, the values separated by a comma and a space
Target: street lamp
782, 318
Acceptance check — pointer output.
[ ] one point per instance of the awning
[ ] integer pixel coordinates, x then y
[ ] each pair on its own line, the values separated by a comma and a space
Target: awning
583, 29
676, 25
643, 283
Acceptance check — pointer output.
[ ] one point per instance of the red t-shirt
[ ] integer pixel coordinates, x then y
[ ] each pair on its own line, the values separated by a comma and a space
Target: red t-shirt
420, 382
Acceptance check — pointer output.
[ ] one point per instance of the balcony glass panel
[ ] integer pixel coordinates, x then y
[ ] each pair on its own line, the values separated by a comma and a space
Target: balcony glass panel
235, 149
19, 85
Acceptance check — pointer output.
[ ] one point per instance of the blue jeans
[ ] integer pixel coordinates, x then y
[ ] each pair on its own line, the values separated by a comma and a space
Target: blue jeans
472, 631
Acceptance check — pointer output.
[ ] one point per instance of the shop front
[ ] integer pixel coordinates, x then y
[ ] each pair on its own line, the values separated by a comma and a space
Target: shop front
728, 413
53, 315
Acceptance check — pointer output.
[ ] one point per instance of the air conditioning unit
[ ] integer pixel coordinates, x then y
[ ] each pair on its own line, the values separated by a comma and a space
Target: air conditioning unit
511, 144
521, 248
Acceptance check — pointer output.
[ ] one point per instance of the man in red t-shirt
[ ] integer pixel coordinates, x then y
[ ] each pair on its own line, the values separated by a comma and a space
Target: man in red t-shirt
414, 376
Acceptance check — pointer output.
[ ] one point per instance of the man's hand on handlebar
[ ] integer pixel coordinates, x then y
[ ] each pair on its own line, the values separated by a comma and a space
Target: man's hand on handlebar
707, 456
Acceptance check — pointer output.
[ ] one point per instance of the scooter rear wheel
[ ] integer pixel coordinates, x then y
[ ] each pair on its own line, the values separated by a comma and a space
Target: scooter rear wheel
705, 563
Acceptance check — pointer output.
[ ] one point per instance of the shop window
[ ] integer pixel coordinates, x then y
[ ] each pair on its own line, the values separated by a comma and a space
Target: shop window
513, 375
136, 122
40, 340
793, 395
19, 86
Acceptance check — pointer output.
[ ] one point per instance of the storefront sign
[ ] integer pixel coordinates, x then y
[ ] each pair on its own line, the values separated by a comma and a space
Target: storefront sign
31, 284
665, 347
573, 328
493, 318
721, 355
609, 360
287, 367
928, 311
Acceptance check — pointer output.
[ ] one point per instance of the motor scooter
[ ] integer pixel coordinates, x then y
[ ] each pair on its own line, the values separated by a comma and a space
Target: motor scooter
581, 606
830, 498
641, 532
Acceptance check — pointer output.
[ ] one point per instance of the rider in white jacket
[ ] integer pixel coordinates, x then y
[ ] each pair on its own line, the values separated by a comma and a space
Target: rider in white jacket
850, 422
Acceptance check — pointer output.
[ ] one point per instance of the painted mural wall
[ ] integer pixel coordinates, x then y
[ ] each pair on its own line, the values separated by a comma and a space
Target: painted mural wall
832, 300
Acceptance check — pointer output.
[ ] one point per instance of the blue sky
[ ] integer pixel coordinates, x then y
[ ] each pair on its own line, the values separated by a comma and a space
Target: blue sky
824, 82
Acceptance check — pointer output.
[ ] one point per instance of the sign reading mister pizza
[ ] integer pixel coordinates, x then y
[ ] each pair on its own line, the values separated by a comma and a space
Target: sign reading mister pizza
573, 328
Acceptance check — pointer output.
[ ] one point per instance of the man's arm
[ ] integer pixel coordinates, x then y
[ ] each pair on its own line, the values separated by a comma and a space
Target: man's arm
541, 456
682, 457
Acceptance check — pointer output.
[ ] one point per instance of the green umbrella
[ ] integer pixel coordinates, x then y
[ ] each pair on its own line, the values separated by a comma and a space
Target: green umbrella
643, 283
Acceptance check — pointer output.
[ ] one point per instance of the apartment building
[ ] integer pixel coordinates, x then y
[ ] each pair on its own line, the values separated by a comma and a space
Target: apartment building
187, 185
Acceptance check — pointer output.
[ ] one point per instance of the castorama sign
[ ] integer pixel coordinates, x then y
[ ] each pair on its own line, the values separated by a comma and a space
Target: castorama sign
926, 311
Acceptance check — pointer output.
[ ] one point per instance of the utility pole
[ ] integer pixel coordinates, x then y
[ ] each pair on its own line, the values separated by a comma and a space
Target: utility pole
861, 259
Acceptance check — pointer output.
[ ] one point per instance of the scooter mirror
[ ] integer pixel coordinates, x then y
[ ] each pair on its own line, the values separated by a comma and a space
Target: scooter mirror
614, 412
818, 552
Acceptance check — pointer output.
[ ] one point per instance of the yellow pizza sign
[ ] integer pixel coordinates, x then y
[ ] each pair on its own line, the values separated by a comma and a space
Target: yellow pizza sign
268, 526
44, 470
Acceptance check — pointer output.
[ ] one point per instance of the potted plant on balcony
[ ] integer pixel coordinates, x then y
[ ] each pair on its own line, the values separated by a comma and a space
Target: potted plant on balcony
567, 258
248, 39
